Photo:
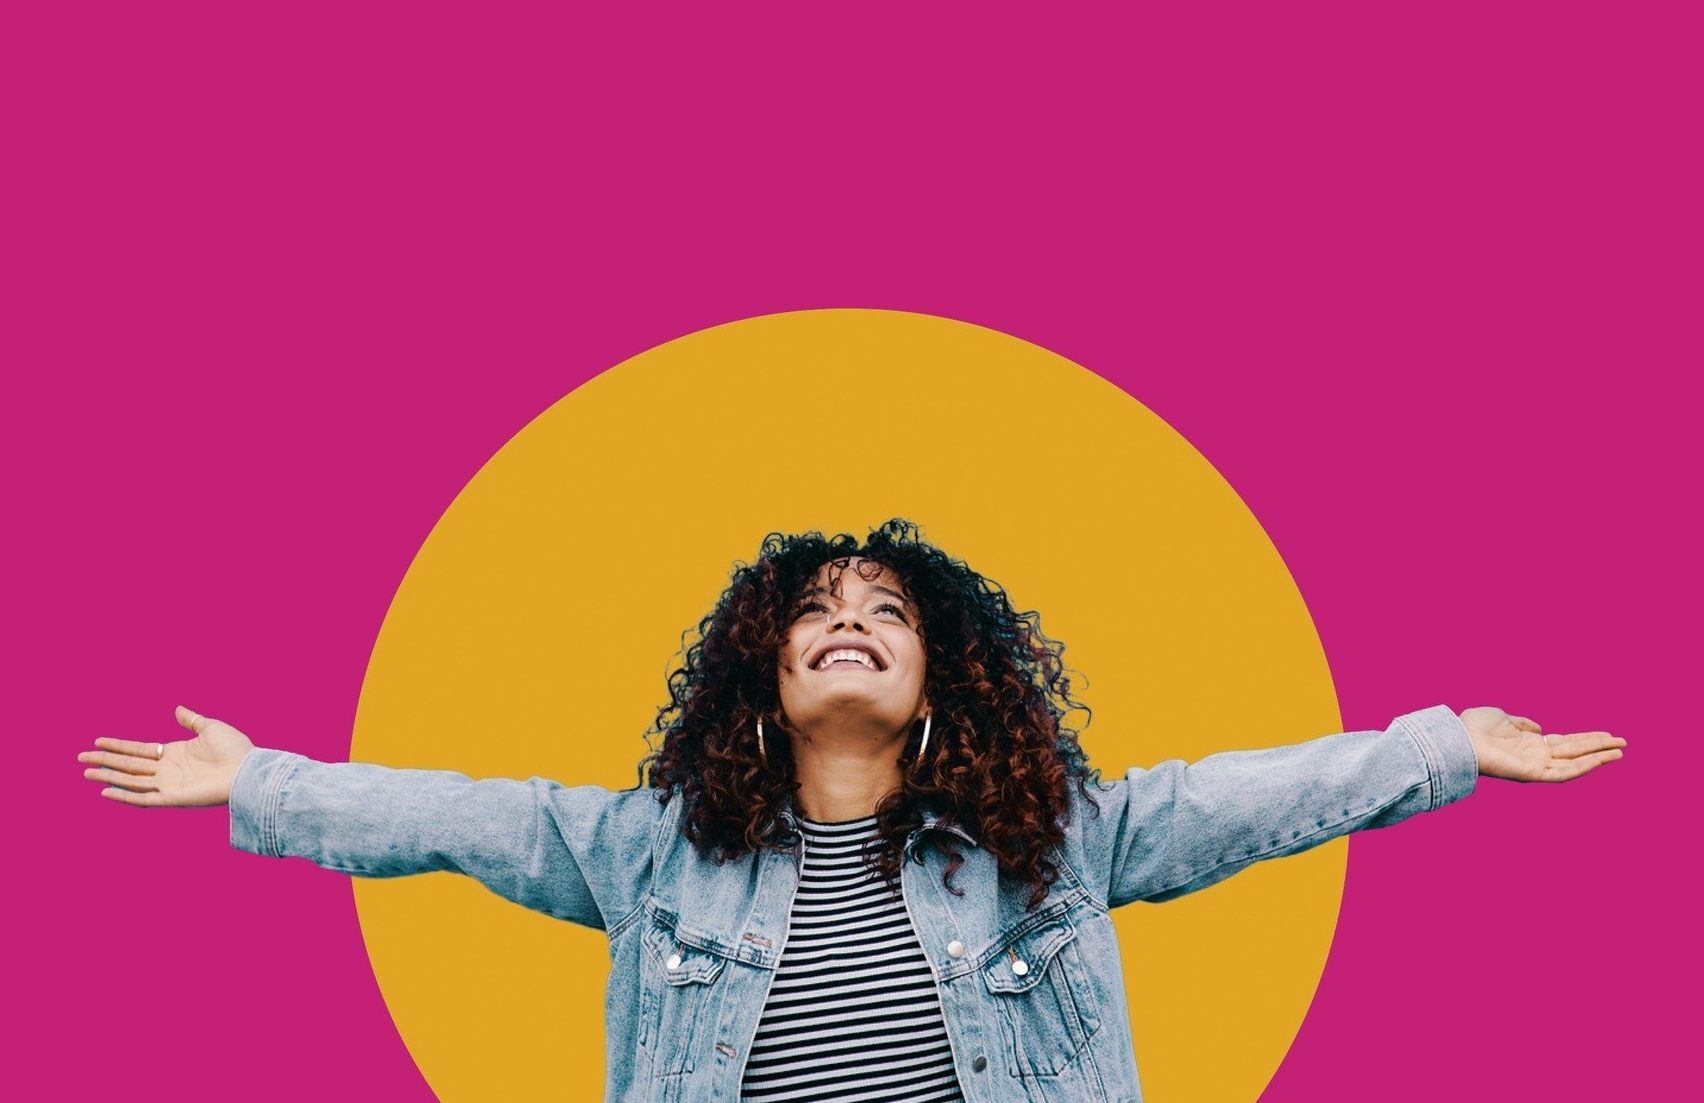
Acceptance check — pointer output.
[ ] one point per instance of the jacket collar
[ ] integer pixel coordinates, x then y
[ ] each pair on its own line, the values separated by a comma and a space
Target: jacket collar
932, 822
787, 832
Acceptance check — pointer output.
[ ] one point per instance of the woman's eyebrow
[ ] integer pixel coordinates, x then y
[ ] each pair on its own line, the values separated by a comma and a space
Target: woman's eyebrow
823, 591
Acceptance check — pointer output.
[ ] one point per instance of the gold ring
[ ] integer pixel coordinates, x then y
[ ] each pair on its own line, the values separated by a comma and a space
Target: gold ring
160, 750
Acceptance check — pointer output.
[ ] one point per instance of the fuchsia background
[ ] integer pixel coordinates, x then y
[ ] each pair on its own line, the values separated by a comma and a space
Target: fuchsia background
1422, 284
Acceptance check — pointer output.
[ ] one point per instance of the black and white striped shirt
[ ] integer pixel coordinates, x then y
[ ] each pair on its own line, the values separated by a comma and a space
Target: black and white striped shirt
853, 1015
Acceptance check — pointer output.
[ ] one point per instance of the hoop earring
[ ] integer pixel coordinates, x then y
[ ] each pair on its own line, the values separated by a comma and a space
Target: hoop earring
761, 753
928, 718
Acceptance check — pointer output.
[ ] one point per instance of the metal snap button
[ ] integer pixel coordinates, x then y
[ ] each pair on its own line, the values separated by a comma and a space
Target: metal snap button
955, 948
980, 1063
673, 962
1020, 968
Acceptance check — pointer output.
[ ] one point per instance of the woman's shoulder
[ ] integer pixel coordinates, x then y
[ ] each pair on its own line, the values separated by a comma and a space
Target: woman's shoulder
595, 807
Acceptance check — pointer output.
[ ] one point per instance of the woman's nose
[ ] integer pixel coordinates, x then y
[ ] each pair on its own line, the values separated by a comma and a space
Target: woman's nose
848, 622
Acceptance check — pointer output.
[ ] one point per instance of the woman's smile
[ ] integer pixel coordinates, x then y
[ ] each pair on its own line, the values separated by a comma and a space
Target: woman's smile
844, 655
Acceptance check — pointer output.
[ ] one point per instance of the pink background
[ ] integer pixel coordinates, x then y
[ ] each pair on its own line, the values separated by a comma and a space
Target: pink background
1423, 286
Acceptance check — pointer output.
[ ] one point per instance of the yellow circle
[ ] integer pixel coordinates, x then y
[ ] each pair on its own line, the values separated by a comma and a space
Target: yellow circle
534, 629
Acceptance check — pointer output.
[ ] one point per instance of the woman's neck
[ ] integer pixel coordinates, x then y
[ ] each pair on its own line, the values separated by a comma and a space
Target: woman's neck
839, 782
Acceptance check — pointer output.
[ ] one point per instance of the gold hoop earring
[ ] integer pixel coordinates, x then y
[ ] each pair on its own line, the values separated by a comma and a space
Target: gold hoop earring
928, 718
761, 753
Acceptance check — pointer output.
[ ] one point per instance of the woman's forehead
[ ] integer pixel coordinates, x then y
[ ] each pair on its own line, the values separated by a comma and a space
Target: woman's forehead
832, 576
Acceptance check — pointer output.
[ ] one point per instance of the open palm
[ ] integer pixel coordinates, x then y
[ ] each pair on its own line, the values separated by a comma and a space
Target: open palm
1517, 749
192, 772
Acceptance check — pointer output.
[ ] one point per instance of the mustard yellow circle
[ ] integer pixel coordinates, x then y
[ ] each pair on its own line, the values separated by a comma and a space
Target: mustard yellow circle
533, 631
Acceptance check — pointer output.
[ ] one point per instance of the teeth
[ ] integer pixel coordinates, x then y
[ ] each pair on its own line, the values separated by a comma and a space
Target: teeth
846, 653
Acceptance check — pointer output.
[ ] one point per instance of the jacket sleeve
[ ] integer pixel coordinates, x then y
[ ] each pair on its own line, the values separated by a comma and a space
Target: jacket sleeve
1176, 828
582, 854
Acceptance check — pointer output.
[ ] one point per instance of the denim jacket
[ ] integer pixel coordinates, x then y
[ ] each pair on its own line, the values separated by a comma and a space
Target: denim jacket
1033, 999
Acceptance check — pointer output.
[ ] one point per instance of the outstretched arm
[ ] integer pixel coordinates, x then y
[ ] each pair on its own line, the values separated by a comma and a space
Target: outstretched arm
582, 854
1177, 828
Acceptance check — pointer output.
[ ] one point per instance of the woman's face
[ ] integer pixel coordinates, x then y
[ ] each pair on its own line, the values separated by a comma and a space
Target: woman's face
853, 658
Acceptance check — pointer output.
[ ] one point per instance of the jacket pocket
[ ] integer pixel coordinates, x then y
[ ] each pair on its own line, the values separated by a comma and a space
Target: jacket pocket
1035, 979
678, 993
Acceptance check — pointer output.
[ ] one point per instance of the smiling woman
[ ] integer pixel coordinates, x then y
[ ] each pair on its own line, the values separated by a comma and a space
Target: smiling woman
868, 859
855, 654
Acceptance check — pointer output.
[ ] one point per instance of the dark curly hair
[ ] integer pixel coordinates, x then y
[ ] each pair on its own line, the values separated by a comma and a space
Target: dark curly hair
1002, 757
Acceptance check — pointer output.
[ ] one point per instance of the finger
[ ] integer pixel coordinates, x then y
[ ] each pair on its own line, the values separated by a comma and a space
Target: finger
1569, 769
155, 751
140, 800
129, 764
138, 783
1580, 743
191, 719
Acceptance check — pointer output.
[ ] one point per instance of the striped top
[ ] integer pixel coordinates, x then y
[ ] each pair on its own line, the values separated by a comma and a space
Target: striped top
853, 1014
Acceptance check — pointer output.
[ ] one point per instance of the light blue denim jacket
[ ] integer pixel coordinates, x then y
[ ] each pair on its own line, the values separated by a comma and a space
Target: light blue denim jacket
1033, 998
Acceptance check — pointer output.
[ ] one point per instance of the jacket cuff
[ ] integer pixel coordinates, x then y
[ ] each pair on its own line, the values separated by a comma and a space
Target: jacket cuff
255, 793
1452, 769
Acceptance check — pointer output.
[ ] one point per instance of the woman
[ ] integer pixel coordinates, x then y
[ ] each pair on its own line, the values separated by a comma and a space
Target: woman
867, 859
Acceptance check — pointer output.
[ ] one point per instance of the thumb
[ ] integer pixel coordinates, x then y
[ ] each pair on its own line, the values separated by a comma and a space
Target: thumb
191, 719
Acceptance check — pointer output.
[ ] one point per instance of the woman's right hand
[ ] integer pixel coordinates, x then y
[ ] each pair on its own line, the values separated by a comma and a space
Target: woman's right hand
191, 773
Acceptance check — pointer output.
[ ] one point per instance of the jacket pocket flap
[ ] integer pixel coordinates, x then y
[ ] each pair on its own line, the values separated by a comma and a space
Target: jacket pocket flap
1021, 964
680, 958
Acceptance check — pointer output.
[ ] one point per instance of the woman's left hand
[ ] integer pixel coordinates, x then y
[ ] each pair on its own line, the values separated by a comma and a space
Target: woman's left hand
1517, 749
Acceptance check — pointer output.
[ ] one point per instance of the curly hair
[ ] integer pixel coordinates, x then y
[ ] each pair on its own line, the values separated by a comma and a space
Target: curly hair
1003, 755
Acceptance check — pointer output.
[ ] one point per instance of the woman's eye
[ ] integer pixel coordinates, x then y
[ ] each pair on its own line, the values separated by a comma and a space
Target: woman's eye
894, 609
809, 607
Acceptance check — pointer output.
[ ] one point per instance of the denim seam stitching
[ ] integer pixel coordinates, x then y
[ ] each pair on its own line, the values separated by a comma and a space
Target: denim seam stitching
670, 814
1295, 845
271, 809
1434, 775
1083, 883
1059, 912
